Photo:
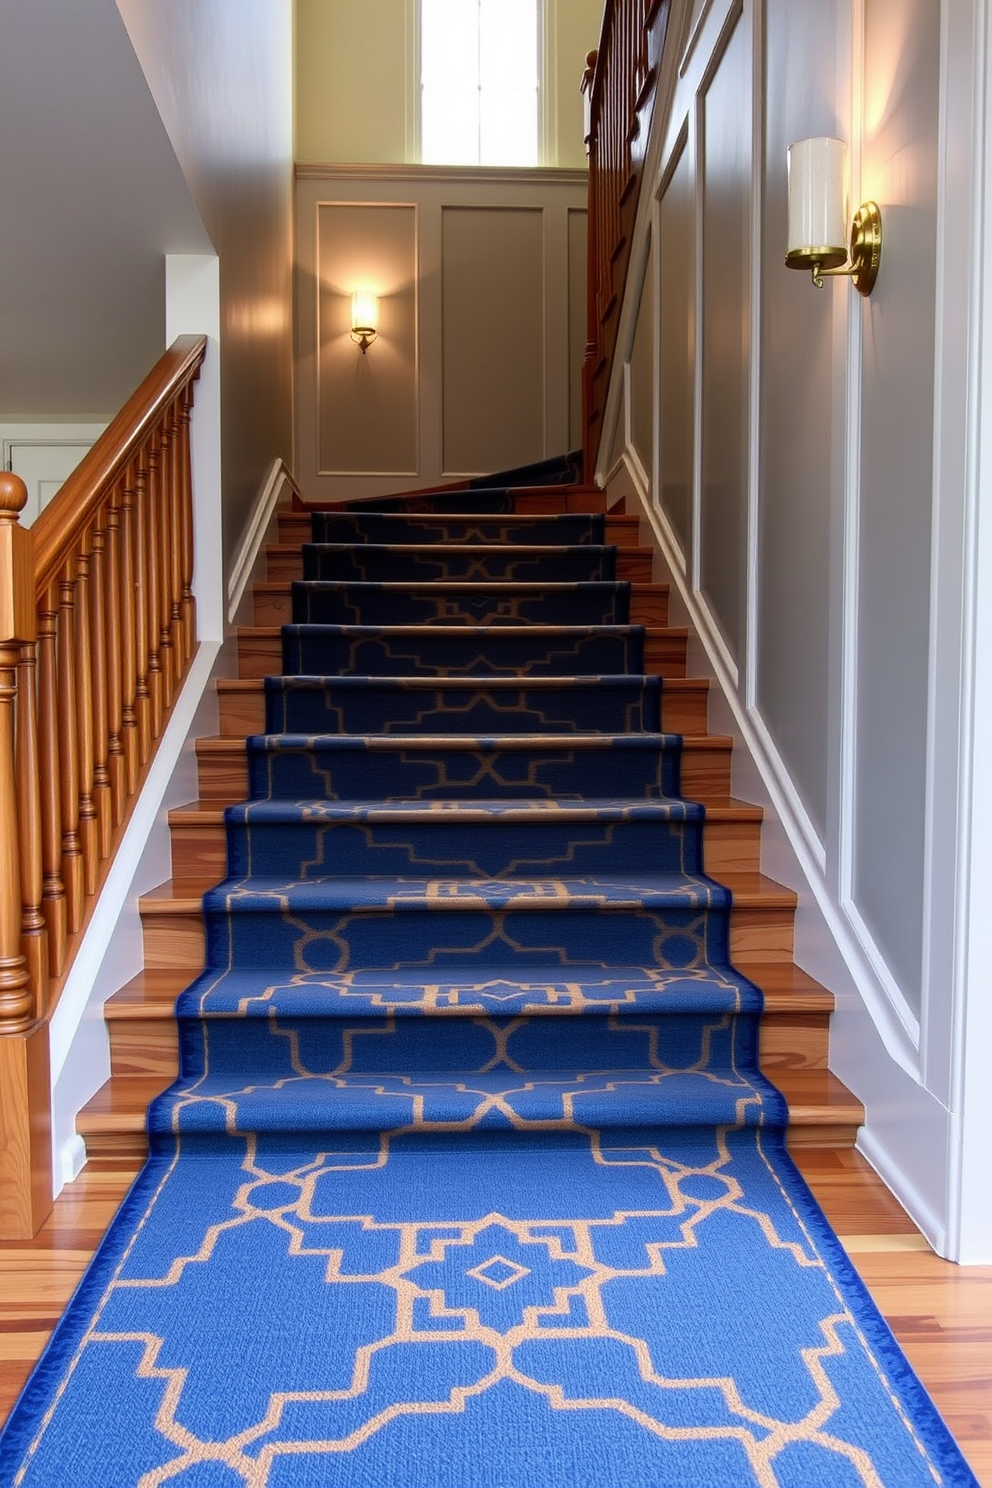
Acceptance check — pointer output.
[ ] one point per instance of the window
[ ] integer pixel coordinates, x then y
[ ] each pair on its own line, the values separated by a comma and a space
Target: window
479, 82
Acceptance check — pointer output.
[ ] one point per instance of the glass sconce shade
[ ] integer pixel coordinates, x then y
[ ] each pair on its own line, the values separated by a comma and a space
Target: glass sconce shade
364, 317
818, 231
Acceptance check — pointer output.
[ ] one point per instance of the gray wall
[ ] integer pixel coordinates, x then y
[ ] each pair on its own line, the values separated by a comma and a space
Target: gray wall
221, 73
91, 197
809, 558
107, 164
817, 492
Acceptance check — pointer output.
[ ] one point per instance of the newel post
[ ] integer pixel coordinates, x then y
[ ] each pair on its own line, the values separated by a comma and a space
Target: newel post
25, 1139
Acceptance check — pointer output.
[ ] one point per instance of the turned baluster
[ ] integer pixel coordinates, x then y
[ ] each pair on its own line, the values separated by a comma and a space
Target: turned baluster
114, 641
34, 931
88, 825
126, 608
98, 665
166, 652
17, 1002
53, 902
72, 857
176, 631
186, 507
153, 589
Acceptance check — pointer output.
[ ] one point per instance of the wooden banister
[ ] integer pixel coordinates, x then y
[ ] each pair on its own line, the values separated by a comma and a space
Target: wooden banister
619, 87
96, 636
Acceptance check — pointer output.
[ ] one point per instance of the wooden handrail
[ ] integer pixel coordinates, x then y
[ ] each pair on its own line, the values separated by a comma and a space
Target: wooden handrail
619, 86
126, 434
97, 630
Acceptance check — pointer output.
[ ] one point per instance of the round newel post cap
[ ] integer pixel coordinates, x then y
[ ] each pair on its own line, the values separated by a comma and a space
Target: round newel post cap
13, 493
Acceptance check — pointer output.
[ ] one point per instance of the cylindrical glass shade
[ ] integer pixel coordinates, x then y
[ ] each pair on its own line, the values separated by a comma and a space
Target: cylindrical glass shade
364, 311
817, 202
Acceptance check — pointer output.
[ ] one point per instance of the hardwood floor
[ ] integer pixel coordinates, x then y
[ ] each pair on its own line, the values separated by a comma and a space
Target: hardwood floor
941, 1314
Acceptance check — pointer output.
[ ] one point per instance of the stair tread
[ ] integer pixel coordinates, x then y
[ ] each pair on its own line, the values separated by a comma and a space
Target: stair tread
255, 686
152, 994
221, 743
815, 1097
211, 812
749, 890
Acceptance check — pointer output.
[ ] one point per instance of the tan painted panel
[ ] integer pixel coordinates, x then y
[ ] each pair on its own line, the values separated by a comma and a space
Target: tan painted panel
367, 403
577, 316
492, 267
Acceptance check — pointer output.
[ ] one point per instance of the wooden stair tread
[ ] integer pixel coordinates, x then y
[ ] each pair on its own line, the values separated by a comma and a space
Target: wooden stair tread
152, 994
815, 1096
748, 889
255, 686
637, 586
225, 743
210, 812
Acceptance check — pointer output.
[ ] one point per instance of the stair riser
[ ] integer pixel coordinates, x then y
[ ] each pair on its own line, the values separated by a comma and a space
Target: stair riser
681, 712
632, 564
490, 604
151, 1046
296, 528
705, 774
370, 563
279, 1048
759, 934
441, 652
326, 772
273, 605
312, 850
199, 849
445, 931
605, 706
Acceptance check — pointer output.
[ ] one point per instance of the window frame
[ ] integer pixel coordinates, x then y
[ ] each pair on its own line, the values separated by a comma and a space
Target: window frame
545, 88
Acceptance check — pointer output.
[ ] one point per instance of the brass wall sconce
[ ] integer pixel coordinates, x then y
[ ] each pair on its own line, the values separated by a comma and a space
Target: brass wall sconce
818, 218
364, 318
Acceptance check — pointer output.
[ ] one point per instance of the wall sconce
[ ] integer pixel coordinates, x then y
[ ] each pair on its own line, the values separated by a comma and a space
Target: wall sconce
364, 318
818, 218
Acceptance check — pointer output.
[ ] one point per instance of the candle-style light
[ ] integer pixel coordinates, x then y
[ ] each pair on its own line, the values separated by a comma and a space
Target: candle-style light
818, 217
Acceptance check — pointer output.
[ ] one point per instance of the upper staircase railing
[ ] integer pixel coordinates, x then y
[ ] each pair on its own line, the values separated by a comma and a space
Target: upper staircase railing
619, 87
97, 630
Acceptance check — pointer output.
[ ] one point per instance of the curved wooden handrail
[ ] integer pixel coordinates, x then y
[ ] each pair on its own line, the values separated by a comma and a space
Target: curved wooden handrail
86, 487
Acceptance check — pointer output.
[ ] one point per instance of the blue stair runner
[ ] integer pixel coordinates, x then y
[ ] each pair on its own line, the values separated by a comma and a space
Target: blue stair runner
470, 1178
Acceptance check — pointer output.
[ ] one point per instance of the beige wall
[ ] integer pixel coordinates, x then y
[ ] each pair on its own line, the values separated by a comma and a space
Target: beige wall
356, 79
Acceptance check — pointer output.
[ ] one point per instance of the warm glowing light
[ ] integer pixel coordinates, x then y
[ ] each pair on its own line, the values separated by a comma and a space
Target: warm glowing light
817, 199
364, 317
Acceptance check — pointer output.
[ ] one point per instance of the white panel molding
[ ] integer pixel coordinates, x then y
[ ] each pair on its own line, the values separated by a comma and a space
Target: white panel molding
749, 650
277, 488
696, 157
888, 1015
968, 39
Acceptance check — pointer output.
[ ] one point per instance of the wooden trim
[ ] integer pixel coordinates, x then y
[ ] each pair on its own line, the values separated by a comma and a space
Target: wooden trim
86, 487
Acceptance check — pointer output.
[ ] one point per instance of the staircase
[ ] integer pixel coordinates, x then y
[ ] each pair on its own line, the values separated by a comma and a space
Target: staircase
142, 1025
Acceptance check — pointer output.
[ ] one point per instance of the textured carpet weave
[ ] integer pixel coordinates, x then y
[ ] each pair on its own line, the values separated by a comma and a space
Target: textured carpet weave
470, 1178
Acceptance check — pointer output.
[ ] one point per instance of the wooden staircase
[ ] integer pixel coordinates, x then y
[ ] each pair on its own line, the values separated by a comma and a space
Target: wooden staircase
794, 1028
